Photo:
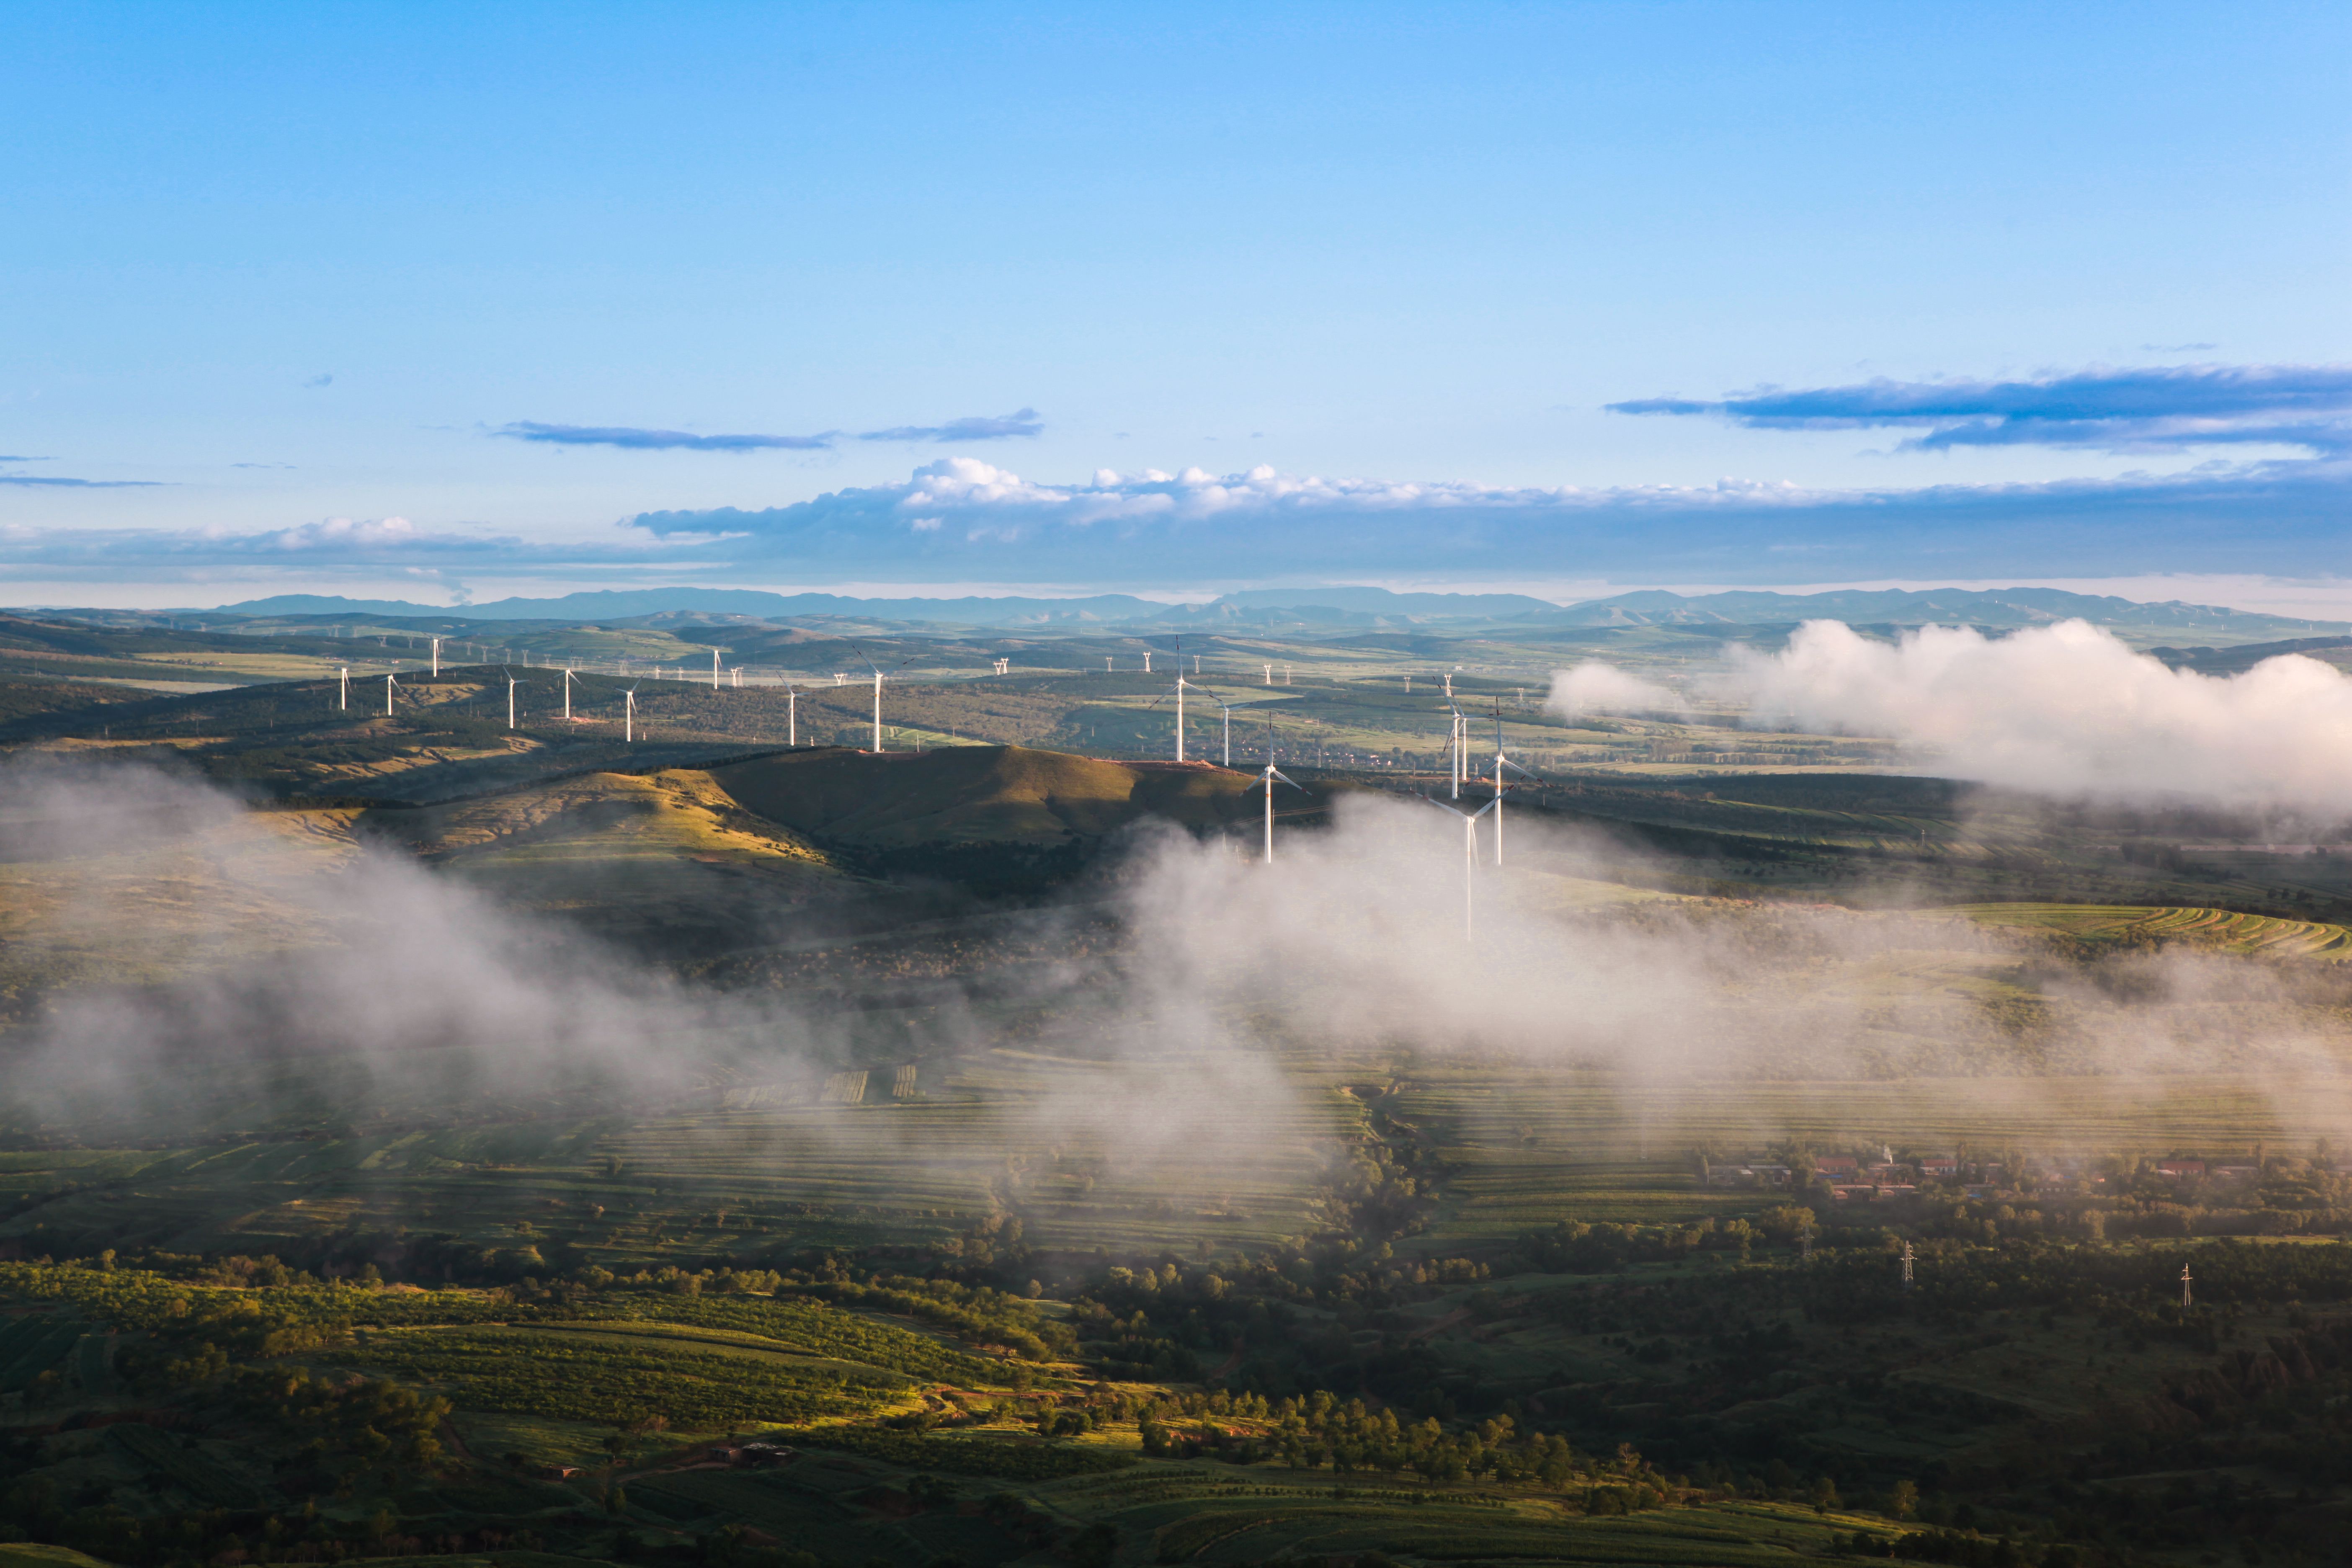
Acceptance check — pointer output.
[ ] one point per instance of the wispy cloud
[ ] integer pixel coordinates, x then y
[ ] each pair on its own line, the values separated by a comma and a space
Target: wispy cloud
306, 550
53, 481
2156, 410
318, 381
973, 427
635, 439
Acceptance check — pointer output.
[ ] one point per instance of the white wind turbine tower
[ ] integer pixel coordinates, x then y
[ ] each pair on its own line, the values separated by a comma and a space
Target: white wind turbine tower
792, 714
568, 679
1469, 857
344, 674
1455, 745
877, 690
388, 684
1503, 762
436, 659
1181, 684
1266, 780
511, 684
629, 718
714, 670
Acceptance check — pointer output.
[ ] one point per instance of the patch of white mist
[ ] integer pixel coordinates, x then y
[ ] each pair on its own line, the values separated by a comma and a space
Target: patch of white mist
1595, 688
2070, 710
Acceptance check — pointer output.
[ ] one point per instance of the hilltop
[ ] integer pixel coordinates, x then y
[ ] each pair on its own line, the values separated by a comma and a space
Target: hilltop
975, 794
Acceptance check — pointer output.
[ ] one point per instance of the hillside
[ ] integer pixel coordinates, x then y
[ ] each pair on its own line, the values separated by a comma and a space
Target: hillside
986, 794
665, 853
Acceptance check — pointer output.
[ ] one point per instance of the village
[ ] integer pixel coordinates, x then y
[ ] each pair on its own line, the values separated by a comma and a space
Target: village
1883, 1176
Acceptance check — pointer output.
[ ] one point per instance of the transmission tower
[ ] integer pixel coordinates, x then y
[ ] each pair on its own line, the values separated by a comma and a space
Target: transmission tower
1907, 1265
2185, 1282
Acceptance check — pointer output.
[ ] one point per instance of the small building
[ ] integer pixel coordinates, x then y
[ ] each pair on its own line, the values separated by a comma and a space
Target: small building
1942, 1167
1836, 1166
2180, 1168
2236, 1173
1772, 1175
1852, 1193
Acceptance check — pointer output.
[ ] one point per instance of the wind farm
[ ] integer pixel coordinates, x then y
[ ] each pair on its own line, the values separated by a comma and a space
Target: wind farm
1227, 787
940, 956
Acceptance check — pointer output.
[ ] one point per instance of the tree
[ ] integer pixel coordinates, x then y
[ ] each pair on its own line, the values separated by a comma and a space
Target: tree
1906, 1499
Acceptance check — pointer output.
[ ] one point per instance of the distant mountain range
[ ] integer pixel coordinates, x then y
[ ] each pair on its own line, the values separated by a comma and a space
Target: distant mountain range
1900, 606
1335, 607
1338, 604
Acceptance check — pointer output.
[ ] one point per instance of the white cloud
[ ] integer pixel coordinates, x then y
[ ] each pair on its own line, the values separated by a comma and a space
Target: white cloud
1593, 687
2069, 710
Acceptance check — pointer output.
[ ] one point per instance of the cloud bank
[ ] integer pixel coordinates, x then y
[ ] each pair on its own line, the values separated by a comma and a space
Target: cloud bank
2070, 710
299, 994
965, 519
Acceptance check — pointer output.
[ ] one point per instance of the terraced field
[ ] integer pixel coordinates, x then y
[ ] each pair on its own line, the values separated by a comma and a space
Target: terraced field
2218, 931
615, 1377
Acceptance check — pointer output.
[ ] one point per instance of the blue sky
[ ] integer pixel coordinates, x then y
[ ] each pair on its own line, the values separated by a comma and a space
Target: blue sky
444, 300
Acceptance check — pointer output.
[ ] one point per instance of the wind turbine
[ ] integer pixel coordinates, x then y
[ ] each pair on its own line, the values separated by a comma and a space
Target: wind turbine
568, 679
511, 684
791, 715
714, 670
1469, 856
629, 718
1501, 763
877, 688
1181, 684
436, 659
1455, 744
388, 683
1267, 780
344, 674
